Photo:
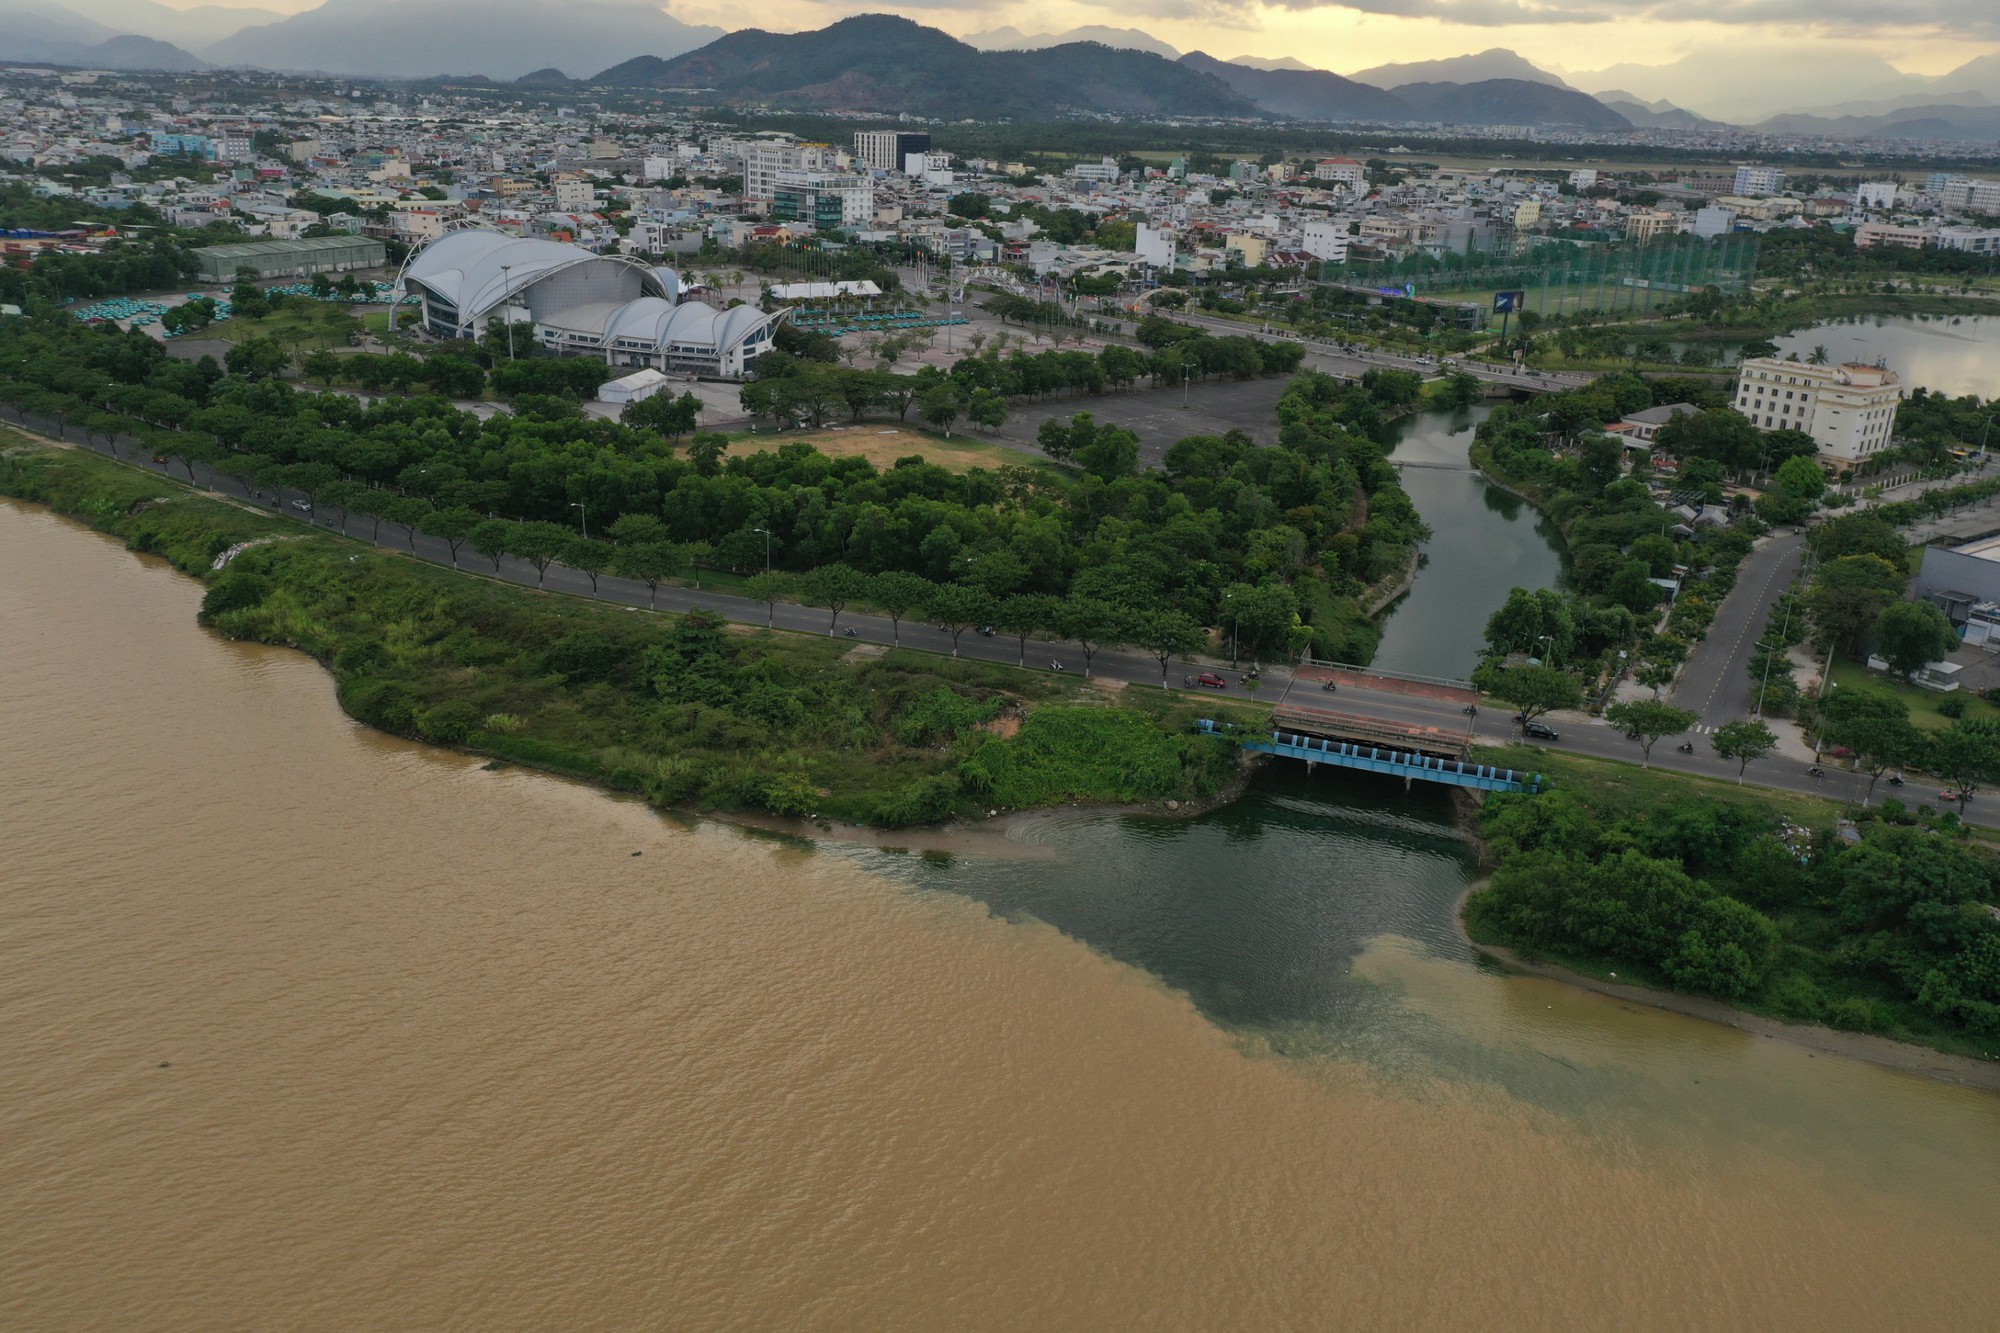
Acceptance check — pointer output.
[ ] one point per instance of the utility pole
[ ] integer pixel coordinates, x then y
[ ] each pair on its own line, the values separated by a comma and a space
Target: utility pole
582, 518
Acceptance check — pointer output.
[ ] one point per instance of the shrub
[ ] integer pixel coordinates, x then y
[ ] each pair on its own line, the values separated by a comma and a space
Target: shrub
236, 590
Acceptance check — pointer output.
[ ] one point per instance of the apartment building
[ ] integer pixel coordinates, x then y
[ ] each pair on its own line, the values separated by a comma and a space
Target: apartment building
1325, 241
1849, 410
1643, 225
1759, 182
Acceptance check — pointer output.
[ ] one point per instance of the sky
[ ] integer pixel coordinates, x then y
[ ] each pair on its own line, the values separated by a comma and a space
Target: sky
1917, 36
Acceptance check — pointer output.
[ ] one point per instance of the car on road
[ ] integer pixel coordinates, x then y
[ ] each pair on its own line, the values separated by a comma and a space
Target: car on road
1949, 795
161, 459
1540, 731
302, 506
1210, 680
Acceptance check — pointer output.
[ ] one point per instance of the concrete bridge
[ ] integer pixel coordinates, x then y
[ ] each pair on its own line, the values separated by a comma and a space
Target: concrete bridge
1414, 727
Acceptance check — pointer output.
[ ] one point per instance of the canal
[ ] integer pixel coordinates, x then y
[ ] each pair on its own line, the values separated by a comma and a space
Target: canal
1484, 542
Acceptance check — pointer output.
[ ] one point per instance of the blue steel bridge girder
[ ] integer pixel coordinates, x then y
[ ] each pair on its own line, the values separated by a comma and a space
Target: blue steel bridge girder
1406, 764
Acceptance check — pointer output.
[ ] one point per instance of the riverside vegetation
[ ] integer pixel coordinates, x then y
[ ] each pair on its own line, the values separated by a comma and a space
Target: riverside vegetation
1887, 926
682, 709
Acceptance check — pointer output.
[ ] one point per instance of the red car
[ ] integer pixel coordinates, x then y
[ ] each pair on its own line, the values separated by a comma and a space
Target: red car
1211, 680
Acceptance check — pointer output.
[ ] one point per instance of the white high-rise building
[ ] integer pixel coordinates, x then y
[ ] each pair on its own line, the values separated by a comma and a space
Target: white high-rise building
1759, 182
887, 150
1849, 410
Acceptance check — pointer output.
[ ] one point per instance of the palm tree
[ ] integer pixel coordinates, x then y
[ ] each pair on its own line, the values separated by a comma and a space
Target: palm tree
1818, 357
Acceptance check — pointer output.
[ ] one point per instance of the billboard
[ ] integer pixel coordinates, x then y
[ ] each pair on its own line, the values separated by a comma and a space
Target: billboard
1506, 303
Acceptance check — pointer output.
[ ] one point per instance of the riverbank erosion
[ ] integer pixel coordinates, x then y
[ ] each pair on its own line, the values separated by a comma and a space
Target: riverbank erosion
1727, 901
687, 710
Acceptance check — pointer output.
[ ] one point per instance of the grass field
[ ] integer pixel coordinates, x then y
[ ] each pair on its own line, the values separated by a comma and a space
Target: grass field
882, 443
1923, 704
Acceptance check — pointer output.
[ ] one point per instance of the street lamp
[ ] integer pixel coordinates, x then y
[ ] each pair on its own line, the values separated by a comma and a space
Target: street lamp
582, 518
1186, 373
1227, 598
1549, 639
767, 547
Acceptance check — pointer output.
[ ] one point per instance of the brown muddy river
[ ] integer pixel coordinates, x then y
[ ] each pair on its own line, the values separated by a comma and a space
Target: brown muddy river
306, 1028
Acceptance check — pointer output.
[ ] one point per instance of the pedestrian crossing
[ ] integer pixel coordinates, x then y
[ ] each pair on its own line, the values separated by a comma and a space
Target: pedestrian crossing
1702, 729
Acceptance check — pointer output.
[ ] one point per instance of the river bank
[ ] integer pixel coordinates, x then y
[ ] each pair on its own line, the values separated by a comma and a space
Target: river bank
1885, 1052
688, 712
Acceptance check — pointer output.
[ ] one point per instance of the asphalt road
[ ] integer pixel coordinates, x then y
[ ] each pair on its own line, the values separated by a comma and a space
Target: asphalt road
1491, 727
1715, 683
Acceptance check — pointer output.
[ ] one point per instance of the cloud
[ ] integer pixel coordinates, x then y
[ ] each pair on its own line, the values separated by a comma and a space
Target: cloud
1961, 18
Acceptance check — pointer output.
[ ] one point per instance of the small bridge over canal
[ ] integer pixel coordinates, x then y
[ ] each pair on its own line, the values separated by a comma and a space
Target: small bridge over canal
1414, 727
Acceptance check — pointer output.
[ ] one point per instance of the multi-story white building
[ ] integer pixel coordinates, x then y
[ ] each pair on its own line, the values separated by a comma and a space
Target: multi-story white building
1871, 234
1325, 241
1959, 195
1877, 196
1583, 178
826, 199
574, 194
887, 150
1712, 221
1154, 246
1971, 240
762, 164
1104, 172
1849, 410
1340, 171
1757, 182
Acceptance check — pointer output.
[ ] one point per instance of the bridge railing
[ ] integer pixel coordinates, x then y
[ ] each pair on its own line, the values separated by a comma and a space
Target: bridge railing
1414, 679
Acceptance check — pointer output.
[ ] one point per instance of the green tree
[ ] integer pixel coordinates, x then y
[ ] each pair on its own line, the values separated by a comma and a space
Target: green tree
454, 526
588, 557
833, 587
1168, 634
1091, 622
1911, 635
1880, 744
651, 563
957, 607
1802, 478
705, 452
940, 406
541, 545
1532, 690
898, 593
493, 538
1848, 594
1026, 615
1744, 742
1646, 721
770, 588
1967, 756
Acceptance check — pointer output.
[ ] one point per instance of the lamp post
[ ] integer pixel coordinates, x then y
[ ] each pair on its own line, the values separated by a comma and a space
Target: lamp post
767, 547
1549, 639
506, 310
582, 518
1228, 598
1186, 374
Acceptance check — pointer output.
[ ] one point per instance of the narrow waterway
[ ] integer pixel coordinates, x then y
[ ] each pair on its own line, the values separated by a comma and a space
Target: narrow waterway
309, 1028
1484, 542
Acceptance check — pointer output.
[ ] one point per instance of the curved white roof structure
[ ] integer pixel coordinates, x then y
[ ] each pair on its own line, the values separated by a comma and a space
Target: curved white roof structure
581, 303
474, 272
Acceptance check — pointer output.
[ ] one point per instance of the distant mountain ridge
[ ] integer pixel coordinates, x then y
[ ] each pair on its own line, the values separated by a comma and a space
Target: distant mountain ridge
1481, 67
1122, 39
884, 63
1507, 102
1302, 94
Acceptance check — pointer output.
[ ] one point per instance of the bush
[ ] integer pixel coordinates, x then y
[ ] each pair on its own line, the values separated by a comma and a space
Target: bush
236, 590
450, 723
1951, 706
925, 801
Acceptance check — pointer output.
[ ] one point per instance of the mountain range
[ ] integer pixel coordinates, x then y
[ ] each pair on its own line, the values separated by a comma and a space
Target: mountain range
879, 62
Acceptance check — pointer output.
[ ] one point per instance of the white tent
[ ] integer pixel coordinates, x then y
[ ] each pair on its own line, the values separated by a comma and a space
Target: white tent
639, 384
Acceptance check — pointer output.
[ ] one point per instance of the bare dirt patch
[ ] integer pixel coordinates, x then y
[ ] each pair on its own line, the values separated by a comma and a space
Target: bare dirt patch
882, 443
